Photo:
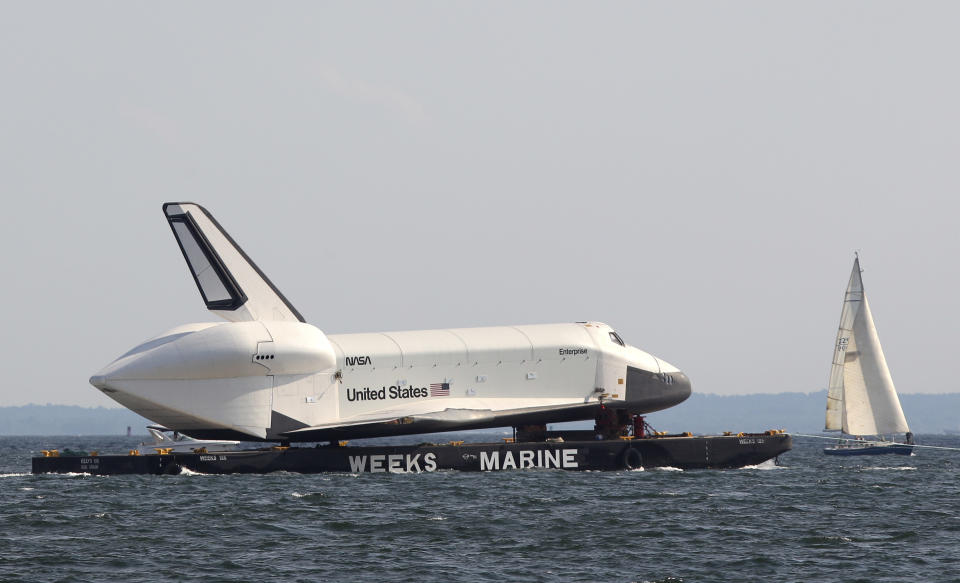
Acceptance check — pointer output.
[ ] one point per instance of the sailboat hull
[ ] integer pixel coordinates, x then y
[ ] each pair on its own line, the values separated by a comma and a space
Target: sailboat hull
873, 449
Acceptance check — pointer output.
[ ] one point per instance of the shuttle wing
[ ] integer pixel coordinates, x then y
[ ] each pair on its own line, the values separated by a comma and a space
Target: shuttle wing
231, 284
444, 420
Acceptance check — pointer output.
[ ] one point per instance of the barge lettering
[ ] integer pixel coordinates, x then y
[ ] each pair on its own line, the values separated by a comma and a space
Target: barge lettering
541, 458
384, 393
394, 463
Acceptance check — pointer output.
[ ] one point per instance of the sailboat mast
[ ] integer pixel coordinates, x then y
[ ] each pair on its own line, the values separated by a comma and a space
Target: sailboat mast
851, 306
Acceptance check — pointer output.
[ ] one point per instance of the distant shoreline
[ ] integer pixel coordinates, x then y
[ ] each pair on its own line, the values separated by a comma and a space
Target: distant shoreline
27, 420
702, 413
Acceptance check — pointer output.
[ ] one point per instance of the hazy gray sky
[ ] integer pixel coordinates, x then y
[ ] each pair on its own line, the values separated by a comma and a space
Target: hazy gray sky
697, 175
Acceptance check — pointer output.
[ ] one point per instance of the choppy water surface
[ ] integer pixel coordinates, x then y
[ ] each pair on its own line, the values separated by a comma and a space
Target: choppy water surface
814, 518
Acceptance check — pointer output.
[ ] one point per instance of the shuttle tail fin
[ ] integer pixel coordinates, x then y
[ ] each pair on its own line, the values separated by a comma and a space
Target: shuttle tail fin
231, 284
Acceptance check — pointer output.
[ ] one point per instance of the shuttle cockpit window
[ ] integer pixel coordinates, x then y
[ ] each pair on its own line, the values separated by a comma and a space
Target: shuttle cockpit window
616, 338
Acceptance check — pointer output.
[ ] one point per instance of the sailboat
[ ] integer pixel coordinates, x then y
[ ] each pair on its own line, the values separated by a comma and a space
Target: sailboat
861, 399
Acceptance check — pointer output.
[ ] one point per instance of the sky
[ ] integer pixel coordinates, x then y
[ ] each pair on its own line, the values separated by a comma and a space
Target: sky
697, 175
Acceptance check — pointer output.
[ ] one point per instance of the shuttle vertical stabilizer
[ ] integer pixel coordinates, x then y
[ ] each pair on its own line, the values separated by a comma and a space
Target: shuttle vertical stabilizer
231, 284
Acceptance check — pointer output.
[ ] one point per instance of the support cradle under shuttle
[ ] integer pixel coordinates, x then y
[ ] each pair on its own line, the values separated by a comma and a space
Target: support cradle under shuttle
266, 374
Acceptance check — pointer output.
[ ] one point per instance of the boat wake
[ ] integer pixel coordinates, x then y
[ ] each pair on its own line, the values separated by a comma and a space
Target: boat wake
767, 465
308, 495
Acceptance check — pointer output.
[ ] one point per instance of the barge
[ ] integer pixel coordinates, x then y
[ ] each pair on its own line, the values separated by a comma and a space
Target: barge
567, 451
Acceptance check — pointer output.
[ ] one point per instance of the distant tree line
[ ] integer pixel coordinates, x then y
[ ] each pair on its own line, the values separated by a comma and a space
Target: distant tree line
798, 412
69, 420
701, 413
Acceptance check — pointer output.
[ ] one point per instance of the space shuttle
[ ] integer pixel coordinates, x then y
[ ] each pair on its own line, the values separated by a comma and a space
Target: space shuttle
265, 374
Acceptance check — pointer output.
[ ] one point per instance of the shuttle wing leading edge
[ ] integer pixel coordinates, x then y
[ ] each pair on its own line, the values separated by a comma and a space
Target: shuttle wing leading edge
445, 420
231, 284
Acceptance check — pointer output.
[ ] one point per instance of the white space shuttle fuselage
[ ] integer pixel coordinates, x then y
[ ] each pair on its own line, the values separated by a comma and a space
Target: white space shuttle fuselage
266, 374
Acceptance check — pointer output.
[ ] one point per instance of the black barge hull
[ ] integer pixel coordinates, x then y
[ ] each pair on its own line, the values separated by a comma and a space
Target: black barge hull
679, 452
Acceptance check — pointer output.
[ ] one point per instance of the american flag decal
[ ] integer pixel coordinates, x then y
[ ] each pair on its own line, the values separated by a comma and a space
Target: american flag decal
439, 389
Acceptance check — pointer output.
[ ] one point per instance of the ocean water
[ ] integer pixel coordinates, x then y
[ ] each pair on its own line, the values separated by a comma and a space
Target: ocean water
812, 518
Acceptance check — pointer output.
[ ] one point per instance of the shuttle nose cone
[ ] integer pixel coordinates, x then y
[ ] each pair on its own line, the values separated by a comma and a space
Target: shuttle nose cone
650, 391
681, 386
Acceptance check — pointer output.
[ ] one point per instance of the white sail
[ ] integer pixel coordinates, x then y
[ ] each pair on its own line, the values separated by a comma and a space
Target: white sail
851, 306
861, 399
